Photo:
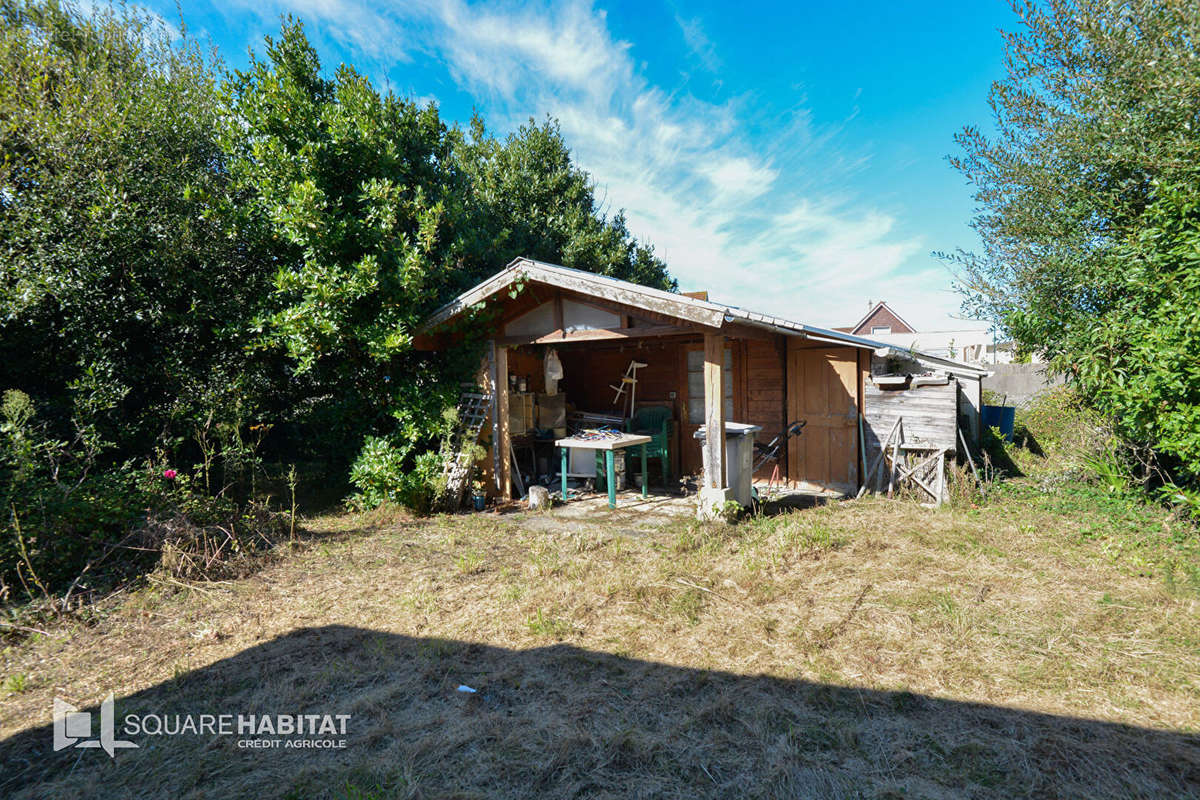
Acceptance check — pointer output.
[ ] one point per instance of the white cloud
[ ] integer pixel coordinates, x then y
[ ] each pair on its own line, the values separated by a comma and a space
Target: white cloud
766, 226
738, 178
508, 51
698, 42
360, 26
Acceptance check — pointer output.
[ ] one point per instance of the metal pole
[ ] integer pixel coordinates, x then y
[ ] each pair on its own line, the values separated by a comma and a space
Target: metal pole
564, 473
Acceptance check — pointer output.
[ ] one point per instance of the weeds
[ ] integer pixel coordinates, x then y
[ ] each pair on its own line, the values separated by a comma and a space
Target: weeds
542, 624
688, 604
470, 562
15, 683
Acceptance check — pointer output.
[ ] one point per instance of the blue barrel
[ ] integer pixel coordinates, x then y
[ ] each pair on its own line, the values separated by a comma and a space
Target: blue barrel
1002, 417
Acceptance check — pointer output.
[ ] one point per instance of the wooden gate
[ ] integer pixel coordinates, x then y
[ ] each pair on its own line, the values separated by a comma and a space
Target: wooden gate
823, 388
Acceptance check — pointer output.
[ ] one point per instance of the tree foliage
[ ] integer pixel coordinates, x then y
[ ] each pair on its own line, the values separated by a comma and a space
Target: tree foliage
124, 296
192, 259
1087, 192
380, 212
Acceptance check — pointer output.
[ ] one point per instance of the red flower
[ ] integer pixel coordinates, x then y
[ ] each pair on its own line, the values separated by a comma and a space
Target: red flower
169, 474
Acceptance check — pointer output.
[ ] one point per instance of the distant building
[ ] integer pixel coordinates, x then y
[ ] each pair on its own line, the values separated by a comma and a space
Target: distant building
883, 324
880, 320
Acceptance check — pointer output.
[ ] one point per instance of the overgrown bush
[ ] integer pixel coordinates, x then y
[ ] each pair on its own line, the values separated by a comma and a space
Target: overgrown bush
383, 473
1060, 438
71, 524
1090, 217
61, 509
208, 271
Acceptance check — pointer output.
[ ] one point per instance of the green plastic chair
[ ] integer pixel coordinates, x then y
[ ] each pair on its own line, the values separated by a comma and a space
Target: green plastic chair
655, 421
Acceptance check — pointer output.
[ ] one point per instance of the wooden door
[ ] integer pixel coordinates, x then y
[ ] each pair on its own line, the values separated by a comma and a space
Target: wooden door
822, 388
690, 455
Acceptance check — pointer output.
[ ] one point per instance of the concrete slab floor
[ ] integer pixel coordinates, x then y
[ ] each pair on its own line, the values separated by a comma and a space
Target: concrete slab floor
633, 514
589, 511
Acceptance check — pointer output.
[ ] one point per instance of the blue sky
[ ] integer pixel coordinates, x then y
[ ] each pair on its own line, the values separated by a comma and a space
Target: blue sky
788, 157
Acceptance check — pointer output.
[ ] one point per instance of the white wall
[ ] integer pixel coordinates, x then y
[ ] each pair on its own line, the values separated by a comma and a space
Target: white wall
972, 346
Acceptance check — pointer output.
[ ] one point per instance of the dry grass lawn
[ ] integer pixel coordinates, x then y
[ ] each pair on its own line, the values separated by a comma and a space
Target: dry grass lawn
1032, 647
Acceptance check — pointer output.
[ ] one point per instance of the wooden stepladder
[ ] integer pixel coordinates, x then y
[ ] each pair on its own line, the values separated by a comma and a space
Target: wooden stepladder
458, 463
628, 383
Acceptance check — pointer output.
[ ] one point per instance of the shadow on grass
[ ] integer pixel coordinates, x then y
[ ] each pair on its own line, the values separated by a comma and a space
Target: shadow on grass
1024, 438
995, 451
788, 502
560, 721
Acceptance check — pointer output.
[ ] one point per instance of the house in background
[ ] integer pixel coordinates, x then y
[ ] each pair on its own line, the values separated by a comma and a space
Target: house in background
881, 320
973, 346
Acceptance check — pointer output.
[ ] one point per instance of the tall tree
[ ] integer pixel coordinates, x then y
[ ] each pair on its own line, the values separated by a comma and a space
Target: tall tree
364, 203
538, 203
380, 212
1086, 193
123, 296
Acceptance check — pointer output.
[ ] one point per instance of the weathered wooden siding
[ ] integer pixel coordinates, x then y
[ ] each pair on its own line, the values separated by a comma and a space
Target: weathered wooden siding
930, 414
765, 394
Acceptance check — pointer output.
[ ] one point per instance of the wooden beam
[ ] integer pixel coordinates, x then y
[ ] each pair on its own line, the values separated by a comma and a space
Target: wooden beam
594, 335
558, 312
490, 383
639, 312
740, 330
714, 410
503, 440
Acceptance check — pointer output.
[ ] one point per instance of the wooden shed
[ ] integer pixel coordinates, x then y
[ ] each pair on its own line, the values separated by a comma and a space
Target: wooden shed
706, 363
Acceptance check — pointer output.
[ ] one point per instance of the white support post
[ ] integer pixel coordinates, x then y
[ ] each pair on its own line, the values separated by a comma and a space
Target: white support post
715, 491
503, 441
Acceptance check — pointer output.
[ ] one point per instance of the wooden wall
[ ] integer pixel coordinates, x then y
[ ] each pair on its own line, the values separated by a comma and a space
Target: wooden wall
588, 372
527, 361
930, 414
766, 394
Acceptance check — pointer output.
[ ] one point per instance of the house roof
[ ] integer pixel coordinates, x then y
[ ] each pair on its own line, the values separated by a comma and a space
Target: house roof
875, 308
691, 309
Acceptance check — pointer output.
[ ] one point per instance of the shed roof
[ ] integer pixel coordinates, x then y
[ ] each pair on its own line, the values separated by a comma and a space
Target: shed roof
691, 309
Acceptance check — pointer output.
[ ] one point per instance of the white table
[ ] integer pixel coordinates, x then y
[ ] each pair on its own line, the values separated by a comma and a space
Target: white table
609, 445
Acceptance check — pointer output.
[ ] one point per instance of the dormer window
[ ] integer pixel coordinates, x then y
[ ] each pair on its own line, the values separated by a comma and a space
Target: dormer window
877, 329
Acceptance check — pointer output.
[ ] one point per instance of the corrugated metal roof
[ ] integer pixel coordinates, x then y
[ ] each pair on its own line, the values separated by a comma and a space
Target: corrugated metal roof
702, 312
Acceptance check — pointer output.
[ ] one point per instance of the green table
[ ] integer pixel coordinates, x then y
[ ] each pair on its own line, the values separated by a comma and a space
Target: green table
609, 446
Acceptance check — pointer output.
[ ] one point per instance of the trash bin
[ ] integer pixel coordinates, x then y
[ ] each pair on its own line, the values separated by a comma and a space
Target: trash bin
1002, 417
739, 458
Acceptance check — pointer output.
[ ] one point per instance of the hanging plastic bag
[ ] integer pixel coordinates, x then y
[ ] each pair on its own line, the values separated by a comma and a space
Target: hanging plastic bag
554, 371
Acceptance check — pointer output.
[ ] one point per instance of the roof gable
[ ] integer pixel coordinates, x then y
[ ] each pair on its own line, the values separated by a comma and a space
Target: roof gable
882, 314
522, 270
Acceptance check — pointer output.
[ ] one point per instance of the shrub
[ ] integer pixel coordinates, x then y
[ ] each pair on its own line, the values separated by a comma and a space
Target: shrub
66, 513
60, 507
381, 475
